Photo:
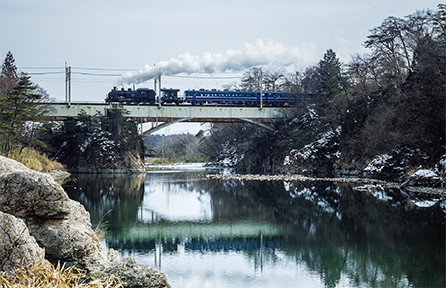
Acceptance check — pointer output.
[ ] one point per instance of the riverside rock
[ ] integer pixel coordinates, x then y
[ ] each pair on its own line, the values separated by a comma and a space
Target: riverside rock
70, 240
30, 194
17, 248
53, 224
9, 165
132, 274
60, 225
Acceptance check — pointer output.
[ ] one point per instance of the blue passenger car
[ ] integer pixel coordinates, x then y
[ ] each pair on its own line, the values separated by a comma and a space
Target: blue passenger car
246, 98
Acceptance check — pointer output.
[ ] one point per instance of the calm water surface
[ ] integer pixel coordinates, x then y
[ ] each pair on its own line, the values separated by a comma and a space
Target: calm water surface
231, 233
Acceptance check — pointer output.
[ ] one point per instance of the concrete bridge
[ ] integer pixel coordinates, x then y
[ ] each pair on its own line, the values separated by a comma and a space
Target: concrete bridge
174, 114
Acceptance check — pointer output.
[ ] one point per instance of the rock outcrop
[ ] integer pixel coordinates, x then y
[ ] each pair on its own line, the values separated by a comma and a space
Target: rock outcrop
130, 273
32, 195
57, 225
18, 249
317, 157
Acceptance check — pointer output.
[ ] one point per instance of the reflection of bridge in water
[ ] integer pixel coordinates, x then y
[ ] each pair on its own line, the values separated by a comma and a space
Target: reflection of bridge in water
214, 237
235, 244
200, 244
198, 230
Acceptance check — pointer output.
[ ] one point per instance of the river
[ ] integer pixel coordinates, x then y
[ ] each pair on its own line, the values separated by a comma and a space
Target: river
237, 233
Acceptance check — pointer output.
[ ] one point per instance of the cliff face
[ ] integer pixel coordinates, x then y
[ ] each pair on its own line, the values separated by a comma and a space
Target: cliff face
98, 145
101, 153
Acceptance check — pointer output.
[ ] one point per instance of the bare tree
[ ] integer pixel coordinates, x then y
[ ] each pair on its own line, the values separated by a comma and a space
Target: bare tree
293, 83
251, 79
271, 80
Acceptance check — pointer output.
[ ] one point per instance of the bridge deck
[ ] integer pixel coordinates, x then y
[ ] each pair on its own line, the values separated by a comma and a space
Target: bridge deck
152, 113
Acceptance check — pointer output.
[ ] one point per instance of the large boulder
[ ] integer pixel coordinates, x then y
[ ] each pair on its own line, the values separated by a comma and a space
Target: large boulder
30, 194
57, 226
60, 225
130, 273
18, 249
71, 239
8, 165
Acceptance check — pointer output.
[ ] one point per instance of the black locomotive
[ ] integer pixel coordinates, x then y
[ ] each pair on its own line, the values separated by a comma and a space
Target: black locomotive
142, 96
138, 96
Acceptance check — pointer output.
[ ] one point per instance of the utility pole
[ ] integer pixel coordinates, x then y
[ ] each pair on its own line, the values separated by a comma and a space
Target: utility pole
67, 84
261, 96
159, 90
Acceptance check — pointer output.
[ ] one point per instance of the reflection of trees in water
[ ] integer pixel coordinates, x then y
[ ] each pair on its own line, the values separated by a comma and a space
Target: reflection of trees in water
336, 231
339, 232
234, 200
112, 198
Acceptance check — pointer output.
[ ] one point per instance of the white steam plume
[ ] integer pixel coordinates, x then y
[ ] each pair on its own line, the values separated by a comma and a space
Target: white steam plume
269, 54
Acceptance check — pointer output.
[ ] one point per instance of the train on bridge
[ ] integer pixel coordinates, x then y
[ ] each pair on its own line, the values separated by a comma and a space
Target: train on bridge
147, 96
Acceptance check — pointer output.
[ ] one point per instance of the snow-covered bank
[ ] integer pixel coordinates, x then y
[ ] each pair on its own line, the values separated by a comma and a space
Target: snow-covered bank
178, 166
363, 181
409, 197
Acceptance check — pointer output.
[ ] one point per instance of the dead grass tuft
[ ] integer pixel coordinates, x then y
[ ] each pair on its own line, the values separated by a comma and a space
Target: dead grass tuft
47, 275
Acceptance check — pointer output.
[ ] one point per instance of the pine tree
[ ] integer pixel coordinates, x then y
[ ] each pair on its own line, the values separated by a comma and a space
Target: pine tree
16, 108
330, 77
8, 77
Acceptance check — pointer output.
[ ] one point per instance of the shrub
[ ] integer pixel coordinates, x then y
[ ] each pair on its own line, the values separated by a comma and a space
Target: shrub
32, 159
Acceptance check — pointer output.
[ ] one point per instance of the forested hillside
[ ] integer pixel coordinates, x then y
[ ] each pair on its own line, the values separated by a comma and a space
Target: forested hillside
382, 113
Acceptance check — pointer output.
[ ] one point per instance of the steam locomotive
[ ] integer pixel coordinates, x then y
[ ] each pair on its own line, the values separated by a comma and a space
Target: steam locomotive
201, 97
141, 96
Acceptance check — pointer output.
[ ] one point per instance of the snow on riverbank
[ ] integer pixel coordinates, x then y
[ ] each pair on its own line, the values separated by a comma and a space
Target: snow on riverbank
179, 166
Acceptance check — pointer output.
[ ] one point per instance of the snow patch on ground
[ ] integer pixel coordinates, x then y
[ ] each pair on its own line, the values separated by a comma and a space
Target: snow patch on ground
425, 203
425, 173
311, 151
180, 166
378, 164
85, 145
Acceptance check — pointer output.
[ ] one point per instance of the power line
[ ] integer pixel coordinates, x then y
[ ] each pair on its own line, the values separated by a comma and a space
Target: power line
40, 68
79, 68
96, 74
111, 74
45, 73
105, 69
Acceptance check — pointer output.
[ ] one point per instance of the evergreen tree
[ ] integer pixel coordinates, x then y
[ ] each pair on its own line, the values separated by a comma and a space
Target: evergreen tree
16, 109
330, 78
8, 77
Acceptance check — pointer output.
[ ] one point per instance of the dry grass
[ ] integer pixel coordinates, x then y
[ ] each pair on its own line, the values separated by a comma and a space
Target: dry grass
47, 275
36, 161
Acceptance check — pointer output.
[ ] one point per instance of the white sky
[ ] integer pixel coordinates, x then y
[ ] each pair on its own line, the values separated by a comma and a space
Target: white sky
129, 34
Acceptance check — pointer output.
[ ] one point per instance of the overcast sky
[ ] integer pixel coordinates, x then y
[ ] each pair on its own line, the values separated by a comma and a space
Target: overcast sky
132, 34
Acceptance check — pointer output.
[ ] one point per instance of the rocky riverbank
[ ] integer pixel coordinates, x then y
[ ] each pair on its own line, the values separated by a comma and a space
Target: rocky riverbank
359, 181
39, 223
